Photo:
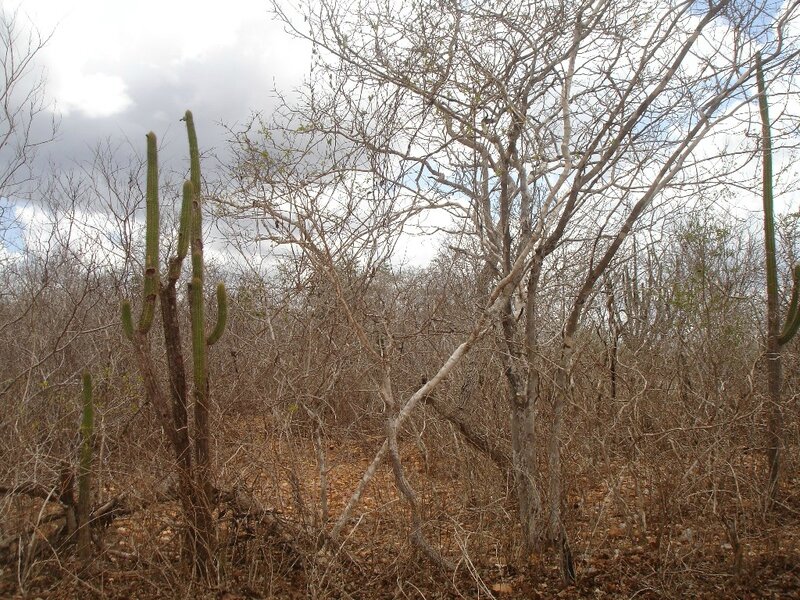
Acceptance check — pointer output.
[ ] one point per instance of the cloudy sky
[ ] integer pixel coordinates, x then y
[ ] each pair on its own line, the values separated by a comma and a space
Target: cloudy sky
116, 70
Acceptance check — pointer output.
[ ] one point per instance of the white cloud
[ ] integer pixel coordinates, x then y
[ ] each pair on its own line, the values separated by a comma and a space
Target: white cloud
94, 94
102, 53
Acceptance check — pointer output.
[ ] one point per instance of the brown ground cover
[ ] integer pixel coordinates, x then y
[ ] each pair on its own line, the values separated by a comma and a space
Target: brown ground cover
695, 545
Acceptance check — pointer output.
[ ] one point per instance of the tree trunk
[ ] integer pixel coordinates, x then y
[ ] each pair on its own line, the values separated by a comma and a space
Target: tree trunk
557, 534
523, 445
193, 509
523, 433
775, 419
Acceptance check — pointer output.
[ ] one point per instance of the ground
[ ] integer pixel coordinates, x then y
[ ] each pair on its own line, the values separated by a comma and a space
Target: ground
623, 547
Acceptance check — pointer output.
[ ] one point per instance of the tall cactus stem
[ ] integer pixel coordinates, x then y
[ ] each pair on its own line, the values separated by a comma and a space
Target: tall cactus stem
199, 349
773, 351
197, 214
196, 288
185, 231
151, 237
198, 335
85, 470
194, 152
767, 191
792, 321
222, 315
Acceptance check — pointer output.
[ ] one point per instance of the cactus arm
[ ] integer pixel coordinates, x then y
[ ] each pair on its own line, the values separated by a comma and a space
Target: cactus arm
790, 315
151, 250
792, 323
197, 215
151, 238
185, 230
184, 235
222, 315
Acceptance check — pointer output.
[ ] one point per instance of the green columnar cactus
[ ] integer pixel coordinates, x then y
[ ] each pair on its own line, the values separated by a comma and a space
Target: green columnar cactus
777, 335
791, 323
200, 341
85, 470
151, 277
196, 287
198, 336
185, 231
195, 479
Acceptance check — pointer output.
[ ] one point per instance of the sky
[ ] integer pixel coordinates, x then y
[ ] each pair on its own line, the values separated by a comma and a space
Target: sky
116, 70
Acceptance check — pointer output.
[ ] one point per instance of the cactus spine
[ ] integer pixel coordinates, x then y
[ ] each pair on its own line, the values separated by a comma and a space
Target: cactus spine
85, 470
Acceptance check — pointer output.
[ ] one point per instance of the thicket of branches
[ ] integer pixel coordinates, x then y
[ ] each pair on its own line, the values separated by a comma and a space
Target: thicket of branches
571, 388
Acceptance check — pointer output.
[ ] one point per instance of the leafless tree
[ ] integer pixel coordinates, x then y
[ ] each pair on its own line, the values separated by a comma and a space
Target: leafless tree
25, 124
543, 131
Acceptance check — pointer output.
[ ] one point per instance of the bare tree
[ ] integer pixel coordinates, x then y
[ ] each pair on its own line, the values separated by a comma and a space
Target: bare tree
22, 103
541, 130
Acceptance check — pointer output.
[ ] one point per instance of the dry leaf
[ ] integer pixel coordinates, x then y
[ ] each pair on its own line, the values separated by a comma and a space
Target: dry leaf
502, 588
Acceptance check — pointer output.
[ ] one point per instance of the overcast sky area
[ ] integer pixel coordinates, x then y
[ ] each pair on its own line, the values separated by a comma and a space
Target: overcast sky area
116, 70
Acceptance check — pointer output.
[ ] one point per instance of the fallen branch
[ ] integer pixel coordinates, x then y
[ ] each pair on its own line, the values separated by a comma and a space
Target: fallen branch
406, 410
34, 490
100, 517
